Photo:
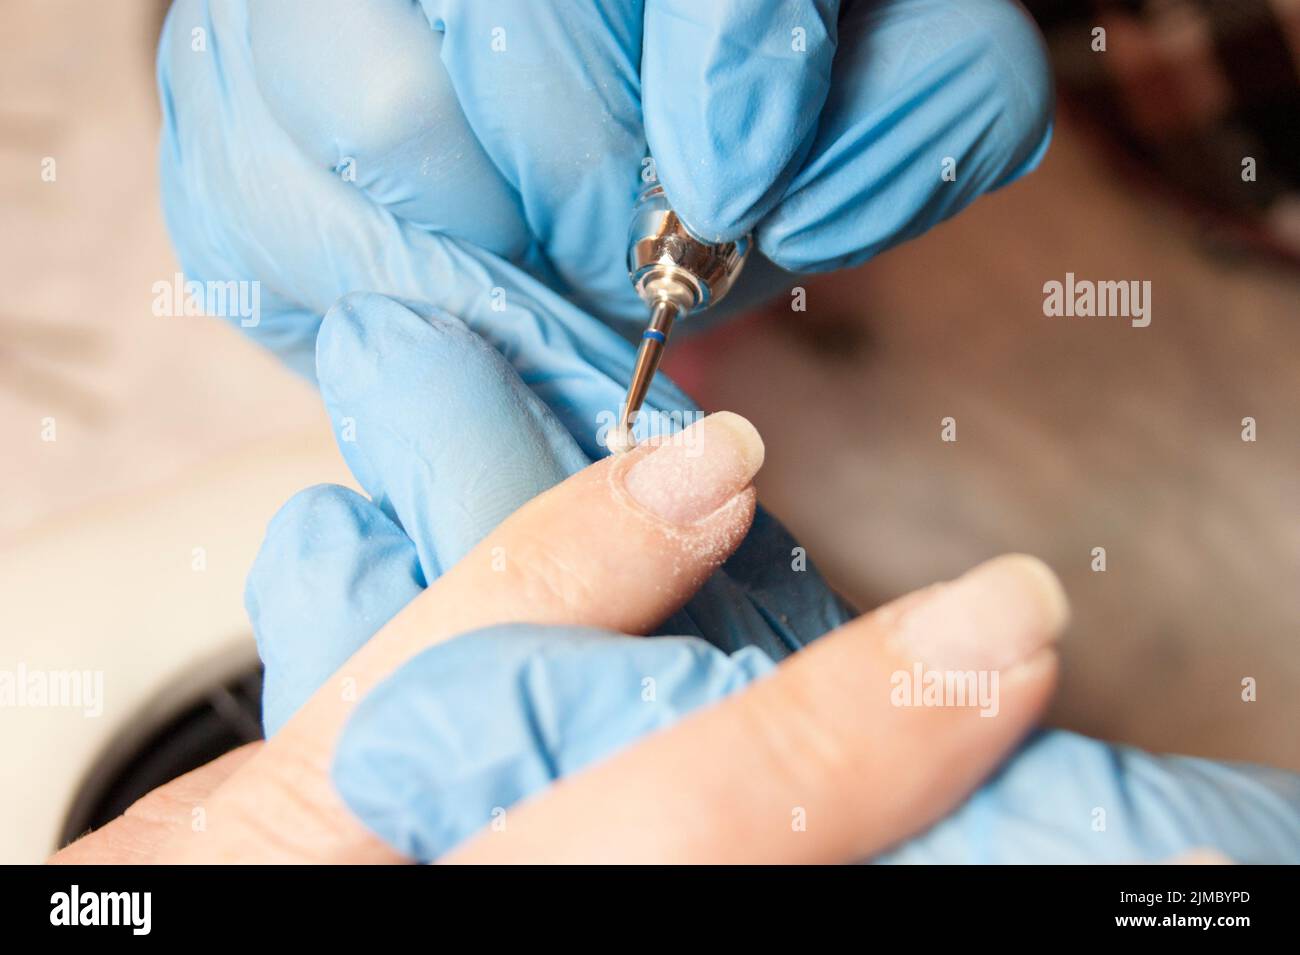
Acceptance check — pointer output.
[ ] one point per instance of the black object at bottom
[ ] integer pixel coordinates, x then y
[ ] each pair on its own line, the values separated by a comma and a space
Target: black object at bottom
930, 904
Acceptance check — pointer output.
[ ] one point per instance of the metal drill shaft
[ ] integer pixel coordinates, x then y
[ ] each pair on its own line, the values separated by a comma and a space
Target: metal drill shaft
676, 274
653, 342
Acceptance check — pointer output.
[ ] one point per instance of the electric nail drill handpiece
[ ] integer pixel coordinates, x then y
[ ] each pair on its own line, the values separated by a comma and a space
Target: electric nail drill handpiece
676, 274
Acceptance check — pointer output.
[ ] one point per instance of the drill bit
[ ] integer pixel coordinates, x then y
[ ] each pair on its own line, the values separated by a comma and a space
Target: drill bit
654, 340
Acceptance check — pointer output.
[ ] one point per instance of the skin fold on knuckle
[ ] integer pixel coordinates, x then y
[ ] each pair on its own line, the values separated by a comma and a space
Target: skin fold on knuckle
137, 835
802, 746
550, 584
280, 805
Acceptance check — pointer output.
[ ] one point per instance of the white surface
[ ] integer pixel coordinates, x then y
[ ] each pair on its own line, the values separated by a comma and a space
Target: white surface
114, 590
172, 433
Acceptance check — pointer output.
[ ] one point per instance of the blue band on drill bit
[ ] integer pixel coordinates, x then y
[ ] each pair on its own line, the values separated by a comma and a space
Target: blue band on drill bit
656, 335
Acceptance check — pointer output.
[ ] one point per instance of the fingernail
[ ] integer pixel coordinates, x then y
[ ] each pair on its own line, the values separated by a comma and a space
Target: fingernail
696, 471
997, 615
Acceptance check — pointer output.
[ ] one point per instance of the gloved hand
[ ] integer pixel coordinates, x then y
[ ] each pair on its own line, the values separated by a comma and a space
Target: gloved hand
447, 440
329, 146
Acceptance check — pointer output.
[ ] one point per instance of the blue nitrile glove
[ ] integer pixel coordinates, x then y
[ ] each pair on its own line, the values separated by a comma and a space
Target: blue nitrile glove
447, 440
328, 146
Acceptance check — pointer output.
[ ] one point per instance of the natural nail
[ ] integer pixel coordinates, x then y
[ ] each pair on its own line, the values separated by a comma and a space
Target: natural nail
995, 616
696, 471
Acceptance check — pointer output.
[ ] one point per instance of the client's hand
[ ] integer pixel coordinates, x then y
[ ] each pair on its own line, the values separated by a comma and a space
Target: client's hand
536, 678
839, 754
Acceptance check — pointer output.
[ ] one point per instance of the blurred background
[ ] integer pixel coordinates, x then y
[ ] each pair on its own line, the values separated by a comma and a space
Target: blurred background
143, 456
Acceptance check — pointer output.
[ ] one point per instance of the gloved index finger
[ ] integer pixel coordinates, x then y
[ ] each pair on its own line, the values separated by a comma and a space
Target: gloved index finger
731, 93
361, 89
331, 571
551, 91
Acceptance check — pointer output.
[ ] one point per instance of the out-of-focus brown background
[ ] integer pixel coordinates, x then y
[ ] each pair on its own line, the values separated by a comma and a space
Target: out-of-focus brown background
175, 434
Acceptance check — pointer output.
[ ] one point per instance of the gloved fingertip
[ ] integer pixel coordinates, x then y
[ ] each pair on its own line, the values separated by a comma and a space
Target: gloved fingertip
331, 571
364, 329
1026, 88
931, 106
731, 101
435, 424
1036, 154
